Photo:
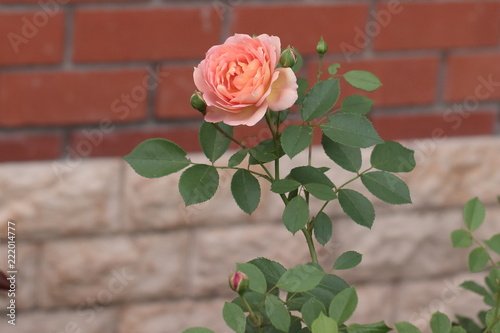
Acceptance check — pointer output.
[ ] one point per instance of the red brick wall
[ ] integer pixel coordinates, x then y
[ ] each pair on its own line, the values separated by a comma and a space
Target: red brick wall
83, 78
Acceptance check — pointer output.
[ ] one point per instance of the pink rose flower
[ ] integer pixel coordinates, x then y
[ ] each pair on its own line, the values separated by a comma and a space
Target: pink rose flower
239, 80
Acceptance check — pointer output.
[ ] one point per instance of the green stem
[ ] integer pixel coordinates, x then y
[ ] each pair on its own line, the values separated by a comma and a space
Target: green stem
217, 127
353, 179
475, 240
310, 245
320, 67
252, 315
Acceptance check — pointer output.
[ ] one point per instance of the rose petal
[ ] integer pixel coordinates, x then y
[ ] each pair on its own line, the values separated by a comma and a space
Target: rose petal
199, 79
248, 116
283, 90
273, 45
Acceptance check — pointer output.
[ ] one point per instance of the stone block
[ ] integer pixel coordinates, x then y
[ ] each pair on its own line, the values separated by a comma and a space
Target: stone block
95, 320
45, 203
417, 300
27, 276
173, 316
217, 250
82, 272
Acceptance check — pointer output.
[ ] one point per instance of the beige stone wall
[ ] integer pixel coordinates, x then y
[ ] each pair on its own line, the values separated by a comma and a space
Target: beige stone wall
101, 249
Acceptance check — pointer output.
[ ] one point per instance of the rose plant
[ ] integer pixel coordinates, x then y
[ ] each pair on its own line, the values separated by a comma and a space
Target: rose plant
248, 79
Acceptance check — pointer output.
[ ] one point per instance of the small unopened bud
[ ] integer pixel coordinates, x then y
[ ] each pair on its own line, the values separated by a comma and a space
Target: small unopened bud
322, 47
239, 282
198, 103
288, 57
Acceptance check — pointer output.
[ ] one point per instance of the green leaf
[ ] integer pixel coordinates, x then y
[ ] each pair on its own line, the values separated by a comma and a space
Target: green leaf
301, 90
362, 80
405, 327
296, 214
320, 99
308, 175
322, 228
155, 158
311, 310
461, 238
478, 259
393, 157
493, 321
321, 191
351, 129
346, 157
234, 317
348, 260
246, 190
198, 330
379, 327
386, 187
494, 243
300, 278
264, 152
296, 138
469, 324
440, 323
213, 143
237, 158
272, 270
357, 104
475, 288
343, 305
474, 213
255, 277
198, 183
284, 185
329, 286
278, 117
332, 69
357, 207
277, 313
457, 329
324, 324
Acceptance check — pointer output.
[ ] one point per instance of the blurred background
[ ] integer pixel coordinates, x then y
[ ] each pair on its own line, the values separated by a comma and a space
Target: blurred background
82, 82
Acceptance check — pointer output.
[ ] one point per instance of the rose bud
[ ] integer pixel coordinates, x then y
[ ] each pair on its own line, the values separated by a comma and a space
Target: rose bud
198, 103
322, 47
288, 57
239, 282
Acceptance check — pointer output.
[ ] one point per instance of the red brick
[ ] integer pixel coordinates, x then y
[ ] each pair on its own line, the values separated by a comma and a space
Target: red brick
63, 98
29, 146
473, 78
406, 81
440, 25
302, 25
33, 37
120, 142
174, 93
144, 34
412, 126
